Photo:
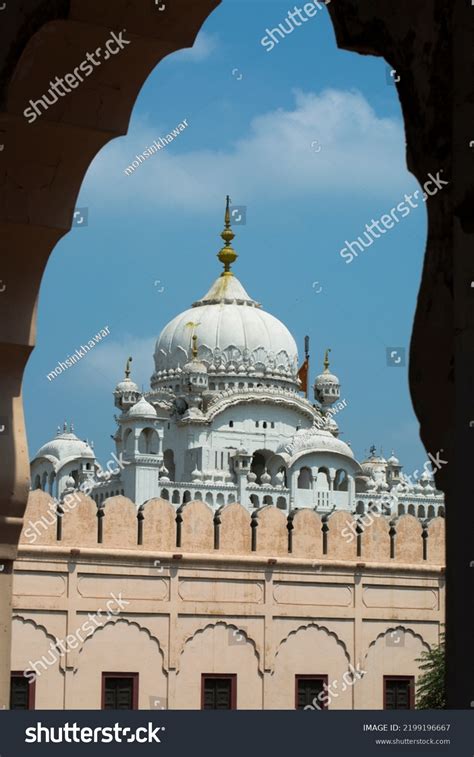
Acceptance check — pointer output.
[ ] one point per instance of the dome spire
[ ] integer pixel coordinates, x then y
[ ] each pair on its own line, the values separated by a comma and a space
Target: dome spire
227, 255
194, 350
127, 368
326, 360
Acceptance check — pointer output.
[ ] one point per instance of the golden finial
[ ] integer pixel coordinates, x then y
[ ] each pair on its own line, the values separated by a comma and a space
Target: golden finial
227, 255
194, 347
127, 368
326, 360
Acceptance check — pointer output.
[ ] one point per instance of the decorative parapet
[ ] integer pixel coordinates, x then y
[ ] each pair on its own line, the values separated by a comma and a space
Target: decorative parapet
195, 528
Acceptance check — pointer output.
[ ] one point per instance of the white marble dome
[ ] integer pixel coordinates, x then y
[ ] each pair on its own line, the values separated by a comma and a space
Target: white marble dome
65, 446
234, 335
142, 409
314, 440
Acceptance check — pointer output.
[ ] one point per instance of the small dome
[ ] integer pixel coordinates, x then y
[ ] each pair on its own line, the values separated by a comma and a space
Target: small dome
126, 385
196, 474
194, 366
392, 460
70, 483
426, 476
265, 478
164, 477
327, 386
315, 440
142, 409
65, 446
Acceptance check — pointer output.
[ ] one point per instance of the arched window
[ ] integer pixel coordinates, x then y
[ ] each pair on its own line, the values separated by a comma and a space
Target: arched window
421, 512
186, 497
411, 509
431, 512
175, 497
128, 440
401, 509
220, 499
254, 500
231, 424
305, 478
198, 496
37, 482
341, 481
44, 481
322, 482
165, 494
209, 499
360, 509
267, 500
148, 442
258, 465
281, 503
230, 499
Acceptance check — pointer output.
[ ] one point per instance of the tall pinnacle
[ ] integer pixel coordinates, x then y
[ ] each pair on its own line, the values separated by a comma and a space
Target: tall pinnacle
326, 360
227, 255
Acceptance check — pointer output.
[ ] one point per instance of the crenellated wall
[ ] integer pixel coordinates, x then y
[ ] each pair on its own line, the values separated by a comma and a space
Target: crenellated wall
232, 530
263, 596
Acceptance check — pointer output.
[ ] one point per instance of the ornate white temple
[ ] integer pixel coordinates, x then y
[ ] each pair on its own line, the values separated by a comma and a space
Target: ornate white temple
227, 419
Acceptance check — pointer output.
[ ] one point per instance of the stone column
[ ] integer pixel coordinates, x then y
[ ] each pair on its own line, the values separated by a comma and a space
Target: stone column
6, 581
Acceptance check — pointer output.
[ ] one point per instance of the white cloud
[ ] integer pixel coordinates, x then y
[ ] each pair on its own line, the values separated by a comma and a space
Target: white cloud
103, 367
203, 47
356, 151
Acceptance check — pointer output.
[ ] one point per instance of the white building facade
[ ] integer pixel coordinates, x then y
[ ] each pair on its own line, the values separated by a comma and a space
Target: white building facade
226, 420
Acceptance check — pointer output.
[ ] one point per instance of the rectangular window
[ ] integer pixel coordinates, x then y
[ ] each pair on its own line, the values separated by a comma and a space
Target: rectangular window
219, 692
398, 692
309, 688
120, 691
22, 692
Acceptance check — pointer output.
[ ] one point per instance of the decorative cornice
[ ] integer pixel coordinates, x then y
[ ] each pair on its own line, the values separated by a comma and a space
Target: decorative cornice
274, 395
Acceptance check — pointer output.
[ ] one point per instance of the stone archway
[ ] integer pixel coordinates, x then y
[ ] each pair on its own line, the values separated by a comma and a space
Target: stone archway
44, 163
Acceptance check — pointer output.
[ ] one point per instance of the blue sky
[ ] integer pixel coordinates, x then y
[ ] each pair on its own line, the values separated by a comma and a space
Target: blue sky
310, 139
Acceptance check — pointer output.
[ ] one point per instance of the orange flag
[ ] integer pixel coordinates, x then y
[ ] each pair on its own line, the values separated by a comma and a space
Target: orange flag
303, 376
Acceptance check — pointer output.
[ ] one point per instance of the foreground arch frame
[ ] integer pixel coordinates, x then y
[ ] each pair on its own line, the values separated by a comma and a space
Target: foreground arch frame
429, 44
